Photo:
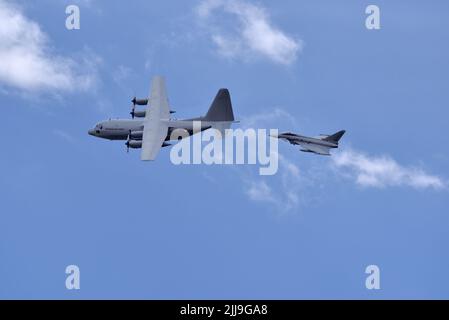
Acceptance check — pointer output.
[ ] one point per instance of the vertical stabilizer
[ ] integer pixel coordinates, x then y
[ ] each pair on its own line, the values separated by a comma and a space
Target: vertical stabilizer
221, 108
335, 137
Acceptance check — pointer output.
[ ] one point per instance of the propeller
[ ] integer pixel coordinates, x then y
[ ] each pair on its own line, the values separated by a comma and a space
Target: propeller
127, 141
133, 109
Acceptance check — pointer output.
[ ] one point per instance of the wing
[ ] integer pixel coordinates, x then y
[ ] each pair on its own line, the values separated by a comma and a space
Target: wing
309, 147
291, 140
155, 126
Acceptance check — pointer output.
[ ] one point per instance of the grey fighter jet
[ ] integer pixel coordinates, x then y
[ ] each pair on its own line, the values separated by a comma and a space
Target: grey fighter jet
318, 145
154, 129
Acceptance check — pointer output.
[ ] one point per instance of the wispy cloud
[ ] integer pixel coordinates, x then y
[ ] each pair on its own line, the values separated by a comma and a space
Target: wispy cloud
260, 191
268, 118
64, 135
285, 191
383, 171
122, 76
299, 183
28, 62
249, 32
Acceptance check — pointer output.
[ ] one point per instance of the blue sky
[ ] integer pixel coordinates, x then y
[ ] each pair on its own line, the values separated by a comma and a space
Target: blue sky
155, 230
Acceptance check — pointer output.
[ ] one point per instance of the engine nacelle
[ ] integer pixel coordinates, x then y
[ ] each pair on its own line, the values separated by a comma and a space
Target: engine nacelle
137, 135
140, 114
135, 144
140, 102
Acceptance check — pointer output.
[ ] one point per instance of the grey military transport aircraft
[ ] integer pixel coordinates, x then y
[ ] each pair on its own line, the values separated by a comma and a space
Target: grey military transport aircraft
318, 145
155, 128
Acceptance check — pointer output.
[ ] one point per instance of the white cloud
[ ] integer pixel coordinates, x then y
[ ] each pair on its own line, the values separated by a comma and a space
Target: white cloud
121, 76
383, 171
294, 187
27, 61
300, 182
268, 118
254, 33
283, 191
260, 191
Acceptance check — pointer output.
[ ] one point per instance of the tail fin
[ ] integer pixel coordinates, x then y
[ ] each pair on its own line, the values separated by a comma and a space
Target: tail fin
221, 108
335, 137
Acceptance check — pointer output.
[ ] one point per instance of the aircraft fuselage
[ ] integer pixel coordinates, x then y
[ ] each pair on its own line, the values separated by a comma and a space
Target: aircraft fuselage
296, 139
120, 129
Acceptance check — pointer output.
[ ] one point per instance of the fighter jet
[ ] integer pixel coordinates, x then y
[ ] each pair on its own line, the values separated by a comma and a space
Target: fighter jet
155, 128
318, 145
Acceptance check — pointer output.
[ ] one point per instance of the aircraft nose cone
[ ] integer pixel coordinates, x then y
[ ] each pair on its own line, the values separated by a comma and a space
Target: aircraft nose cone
91, 132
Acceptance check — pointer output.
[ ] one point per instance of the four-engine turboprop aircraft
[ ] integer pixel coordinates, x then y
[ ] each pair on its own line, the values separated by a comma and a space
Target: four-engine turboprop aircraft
319, 145
155, 129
